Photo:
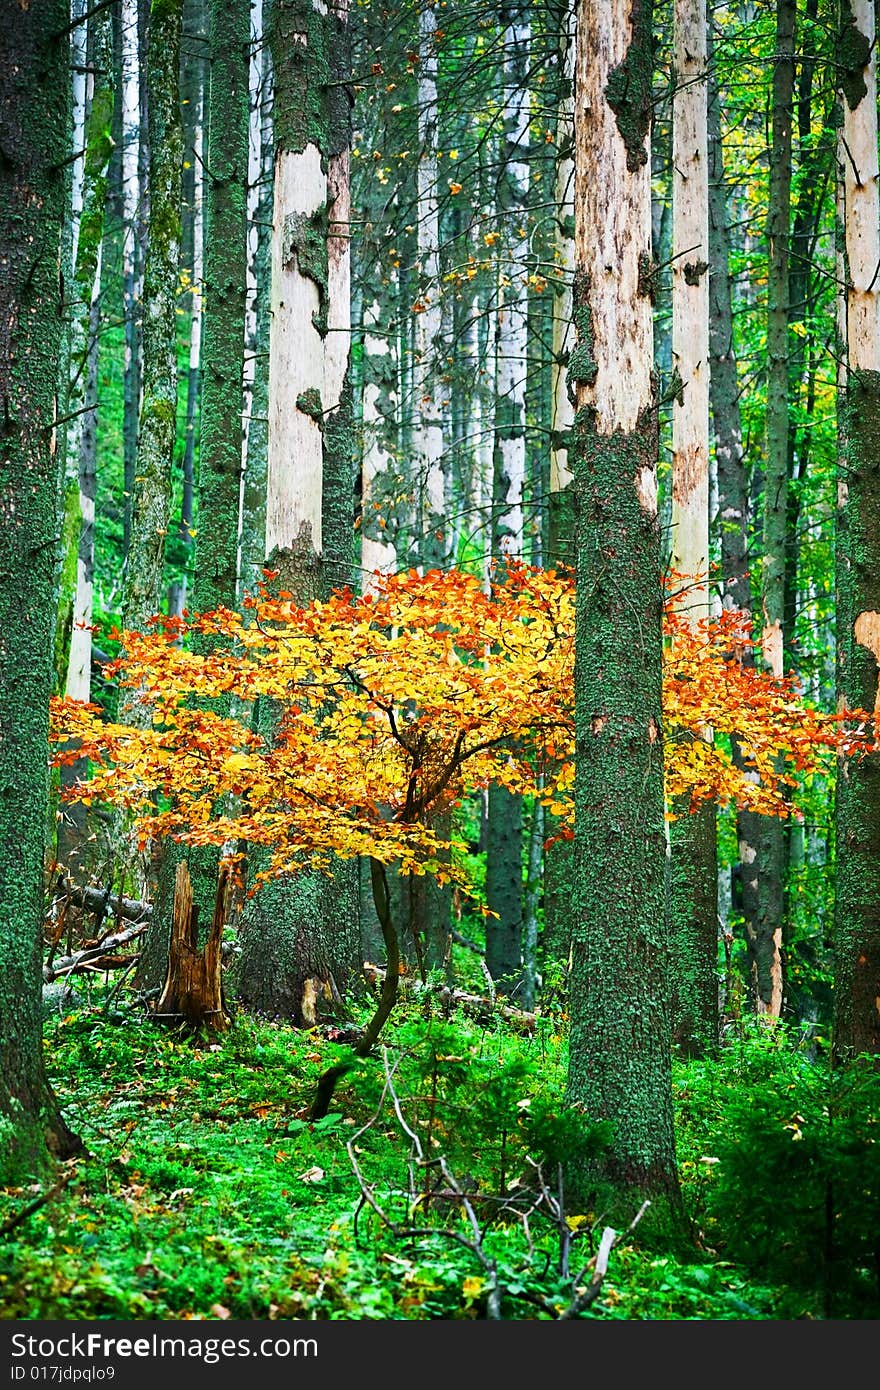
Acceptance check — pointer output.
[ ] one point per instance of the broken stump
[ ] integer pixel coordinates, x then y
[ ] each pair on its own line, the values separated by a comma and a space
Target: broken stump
193, 989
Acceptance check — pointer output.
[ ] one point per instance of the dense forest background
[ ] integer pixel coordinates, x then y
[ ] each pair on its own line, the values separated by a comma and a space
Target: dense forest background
478, 915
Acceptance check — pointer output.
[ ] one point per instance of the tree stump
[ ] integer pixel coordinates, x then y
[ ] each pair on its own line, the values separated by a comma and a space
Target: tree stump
193, 989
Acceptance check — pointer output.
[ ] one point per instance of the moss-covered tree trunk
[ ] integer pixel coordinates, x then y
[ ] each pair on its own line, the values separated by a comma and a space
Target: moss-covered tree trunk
763, 860
693, 855
300, 934
34, 130
151, 501
857, 904
620, 1044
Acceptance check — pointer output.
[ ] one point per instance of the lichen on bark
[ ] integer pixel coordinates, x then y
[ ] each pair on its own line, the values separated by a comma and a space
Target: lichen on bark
629, 91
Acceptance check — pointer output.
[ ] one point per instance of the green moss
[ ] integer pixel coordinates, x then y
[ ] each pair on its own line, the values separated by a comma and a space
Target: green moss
694, 271
853, 56
629, 87
309, 402
305, 236
582, 366
649, 276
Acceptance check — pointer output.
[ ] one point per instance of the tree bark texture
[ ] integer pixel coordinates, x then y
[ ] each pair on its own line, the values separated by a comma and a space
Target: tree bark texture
34, 130
620, 1044
857, 906
156, 423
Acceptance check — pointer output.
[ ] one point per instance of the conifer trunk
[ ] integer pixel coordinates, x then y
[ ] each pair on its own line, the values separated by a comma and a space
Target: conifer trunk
620, 1042
857, 904
34, 131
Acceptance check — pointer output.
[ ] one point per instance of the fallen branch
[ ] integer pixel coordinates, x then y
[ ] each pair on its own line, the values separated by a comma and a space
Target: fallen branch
478, 1003
599, 1265
97, 900
12, 1221
91, 955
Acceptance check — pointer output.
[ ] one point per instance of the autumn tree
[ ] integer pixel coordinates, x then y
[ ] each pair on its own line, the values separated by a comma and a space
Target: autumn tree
34, 114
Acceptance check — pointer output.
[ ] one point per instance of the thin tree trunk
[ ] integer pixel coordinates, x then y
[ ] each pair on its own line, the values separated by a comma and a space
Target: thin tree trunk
131, 194
156, 428
764, 861
431, 521
558, 856
693, 853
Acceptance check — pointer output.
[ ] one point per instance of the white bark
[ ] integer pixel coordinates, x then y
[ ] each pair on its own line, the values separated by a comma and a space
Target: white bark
78, 102
690, 308
131, 135
614, 201
428, 430
377, 553
255, 164
79, 659
862, 210
563, 336
296, 361
512, 340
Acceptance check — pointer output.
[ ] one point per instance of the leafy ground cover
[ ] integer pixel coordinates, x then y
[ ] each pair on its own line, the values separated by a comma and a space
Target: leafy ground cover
207, 1193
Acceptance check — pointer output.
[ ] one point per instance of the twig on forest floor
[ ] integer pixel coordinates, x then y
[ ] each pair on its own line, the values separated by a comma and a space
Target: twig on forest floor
49, 1195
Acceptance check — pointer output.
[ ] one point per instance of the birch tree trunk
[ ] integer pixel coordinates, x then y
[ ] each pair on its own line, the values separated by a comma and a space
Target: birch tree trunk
131, 195
34, 134
620, 1042
504, 842
151, 499
428, 422
255, 435
693, 854
857, 907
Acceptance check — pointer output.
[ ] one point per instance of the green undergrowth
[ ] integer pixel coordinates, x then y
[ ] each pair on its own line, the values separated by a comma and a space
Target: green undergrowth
206, 1192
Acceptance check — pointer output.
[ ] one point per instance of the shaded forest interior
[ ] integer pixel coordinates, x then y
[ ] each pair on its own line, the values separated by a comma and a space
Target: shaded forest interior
440, 551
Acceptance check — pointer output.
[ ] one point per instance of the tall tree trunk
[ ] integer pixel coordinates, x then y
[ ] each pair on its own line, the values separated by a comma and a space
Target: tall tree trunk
305, 928
431, 521
193, 255
857, 903
693, 853
733, 482
558, 866
255, 436
131, 197
620, 1042
156, 428
34, 130
504, 840
764, 862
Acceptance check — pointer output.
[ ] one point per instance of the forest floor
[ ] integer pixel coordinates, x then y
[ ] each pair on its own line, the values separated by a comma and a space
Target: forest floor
205, 1192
